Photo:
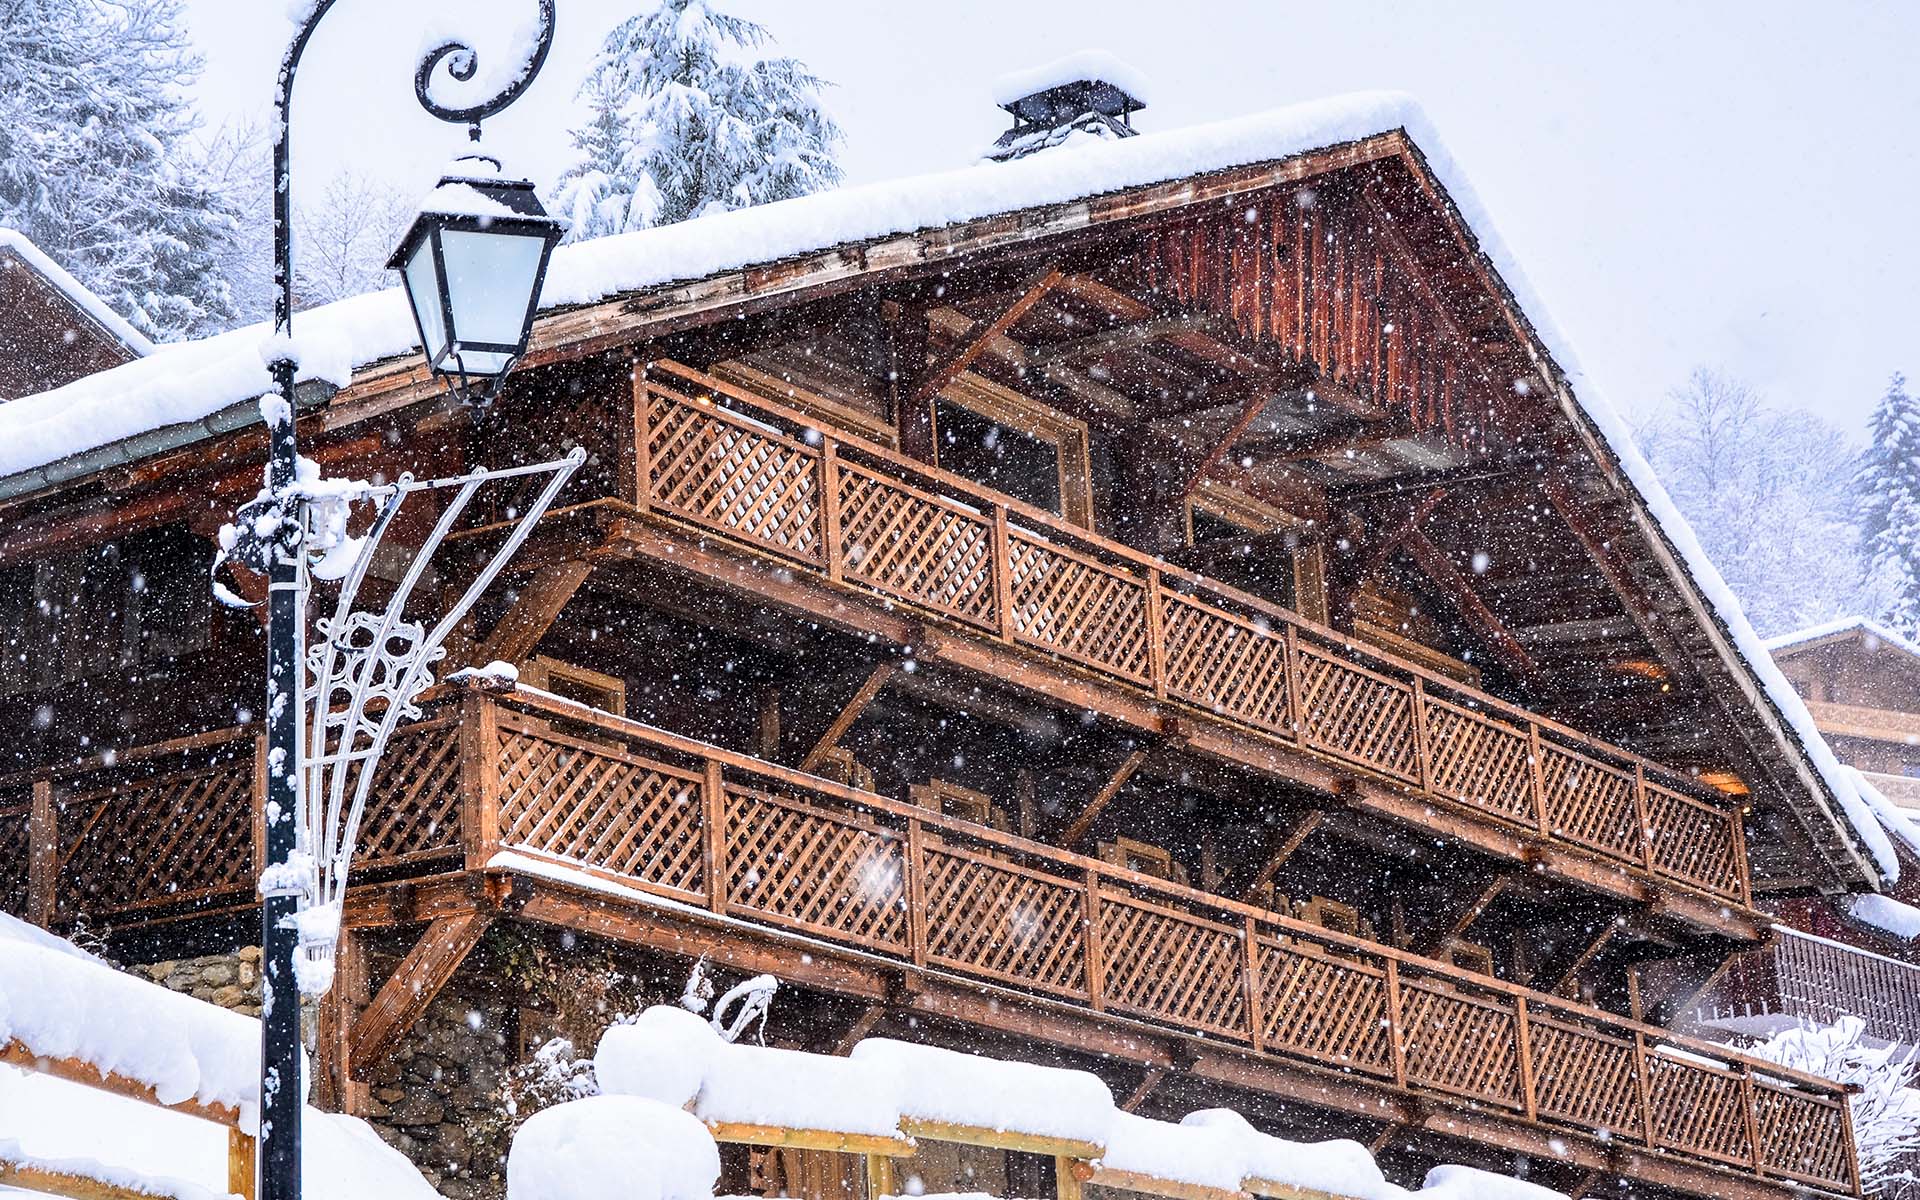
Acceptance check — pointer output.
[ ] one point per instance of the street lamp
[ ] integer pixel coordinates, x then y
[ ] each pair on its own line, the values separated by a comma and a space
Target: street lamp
473, 262
311, 815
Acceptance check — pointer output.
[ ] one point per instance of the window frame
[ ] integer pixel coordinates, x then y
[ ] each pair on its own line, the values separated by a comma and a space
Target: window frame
1029, 417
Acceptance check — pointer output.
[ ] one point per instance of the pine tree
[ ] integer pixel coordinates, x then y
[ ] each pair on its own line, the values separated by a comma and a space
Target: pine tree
690, 119
1889, 484
93, 162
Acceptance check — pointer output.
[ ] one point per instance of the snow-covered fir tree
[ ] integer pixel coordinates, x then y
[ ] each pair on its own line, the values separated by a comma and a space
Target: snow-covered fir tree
94, 119
688, 117
1769, 493
1889, 488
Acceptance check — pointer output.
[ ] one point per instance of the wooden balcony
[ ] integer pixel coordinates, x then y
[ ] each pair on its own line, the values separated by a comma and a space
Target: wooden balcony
170, 831
858, 516
1807, 978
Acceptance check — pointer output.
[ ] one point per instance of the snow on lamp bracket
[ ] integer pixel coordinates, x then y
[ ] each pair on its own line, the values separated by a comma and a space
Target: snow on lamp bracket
364, 673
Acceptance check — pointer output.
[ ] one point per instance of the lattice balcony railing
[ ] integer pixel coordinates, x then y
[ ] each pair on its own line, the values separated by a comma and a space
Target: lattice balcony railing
752, 470
173, 827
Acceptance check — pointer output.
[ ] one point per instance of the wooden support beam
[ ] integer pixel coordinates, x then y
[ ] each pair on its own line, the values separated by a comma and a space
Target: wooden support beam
1633, 596
936, 377
415, 982
865, 695
1478, 895
741, 1133
1454, 586
1123, 337
862, 1026
49, 1180
1149, 1081
998, 1139
535, 608
1193, 472
1586, 956
1083, 824
1296, 837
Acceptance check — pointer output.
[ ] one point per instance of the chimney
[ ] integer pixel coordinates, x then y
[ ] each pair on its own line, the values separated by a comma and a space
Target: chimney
1091, 94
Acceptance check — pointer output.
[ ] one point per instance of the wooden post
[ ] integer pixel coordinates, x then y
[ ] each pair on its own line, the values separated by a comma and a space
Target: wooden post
1096, 967
479, 779
259, 803
1742, 870
713, 846
1538, 763
1523, 1042
1749, 1108
1640, 815
1256, 1019
1296, 710
43, 854
1423, 749
642, 495
242, 1156
1066, 1184
830, 509
1396, 1027
1843, 1112
879, 1176
1643, 1080
916, 869
1003, 572
1156, 637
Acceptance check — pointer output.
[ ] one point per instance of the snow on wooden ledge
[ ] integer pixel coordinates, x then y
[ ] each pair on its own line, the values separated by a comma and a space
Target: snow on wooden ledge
886, 1096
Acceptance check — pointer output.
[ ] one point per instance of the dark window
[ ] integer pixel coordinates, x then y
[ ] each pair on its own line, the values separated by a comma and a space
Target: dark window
1024, 467
78, 614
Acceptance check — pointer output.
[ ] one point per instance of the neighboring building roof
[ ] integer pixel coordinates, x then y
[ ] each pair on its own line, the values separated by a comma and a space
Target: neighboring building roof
56, 330
1865, 628
197, 381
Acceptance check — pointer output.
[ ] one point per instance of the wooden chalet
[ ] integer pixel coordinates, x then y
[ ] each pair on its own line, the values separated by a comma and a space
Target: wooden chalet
55, 330
1861, 682
1171, 616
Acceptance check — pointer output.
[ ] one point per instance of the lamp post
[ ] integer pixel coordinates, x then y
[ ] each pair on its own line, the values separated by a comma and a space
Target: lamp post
458, 291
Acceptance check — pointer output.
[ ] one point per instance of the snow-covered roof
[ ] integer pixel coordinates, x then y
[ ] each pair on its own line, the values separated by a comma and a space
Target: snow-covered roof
1886, 914
1870, 628
670, 1061
82, 297
199, 379
1082, 65
61, 1003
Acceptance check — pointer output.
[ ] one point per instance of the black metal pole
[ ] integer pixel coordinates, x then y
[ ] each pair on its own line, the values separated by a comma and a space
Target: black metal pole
282, 1090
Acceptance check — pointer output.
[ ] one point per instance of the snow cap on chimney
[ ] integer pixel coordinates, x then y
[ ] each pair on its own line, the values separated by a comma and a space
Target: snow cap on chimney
1091, 94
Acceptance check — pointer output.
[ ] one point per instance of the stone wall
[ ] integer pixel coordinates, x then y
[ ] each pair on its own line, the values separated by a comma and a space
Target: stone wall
441, 1099
228, 980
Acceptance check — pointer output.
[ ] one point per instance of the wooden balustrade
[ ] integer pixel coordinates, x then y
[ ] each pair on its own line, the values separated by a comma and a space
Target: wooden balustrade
536, 775
752, 470
1813, 979
774, 846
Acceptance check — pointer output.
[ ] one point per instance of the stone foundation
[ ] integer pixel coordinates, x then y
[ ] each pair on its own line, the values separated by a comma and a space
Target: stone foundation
441, 1099
227, 980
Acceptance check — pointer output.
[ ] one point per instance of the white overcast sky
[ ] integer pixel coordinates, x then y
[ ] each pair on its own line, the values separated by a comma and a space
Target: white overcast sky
1729, 184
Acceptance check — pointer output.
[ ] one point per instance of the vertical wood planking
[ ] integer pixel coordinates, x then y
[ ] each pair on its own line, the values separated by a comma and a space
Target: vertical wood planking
917, 891
1523, 1046
830, 534
1096, 959
1156, 637
1641, 823
1423, 750
43, 854
479, 779
1250, 968
1003, 573
1396, 1025
713, 828
642, 495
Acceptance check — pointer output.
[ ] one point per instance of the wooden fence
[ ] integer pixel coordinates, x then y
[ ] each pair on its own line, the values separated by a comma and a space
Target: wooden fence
743, 838
1813, 979
761, 474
